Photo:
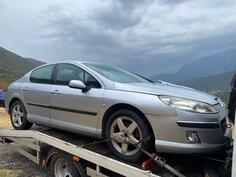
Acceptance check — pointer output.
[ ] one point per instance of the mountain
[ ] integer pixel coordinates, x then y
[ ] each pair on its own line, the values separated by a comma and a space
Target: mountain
13, 66
202, 67
210, 83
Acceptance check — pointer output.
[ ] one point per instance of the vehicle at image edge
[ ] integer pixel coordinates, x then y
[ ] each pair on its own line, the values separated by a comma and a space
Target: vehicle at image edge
107, 102
2, 95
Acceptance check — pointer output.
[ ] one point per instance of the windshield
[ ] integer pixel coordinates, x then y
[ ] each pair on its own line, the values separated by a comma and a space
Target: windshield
116, 74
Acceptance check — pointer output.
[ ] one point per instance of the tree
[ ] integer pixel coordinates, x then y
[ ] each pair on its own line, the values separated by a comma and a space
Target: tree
3, 85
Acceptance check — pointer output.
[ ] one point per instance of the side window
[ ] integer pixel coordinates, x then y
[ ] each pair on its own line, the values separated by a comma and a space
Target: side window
67, 72
42, 75
90, 81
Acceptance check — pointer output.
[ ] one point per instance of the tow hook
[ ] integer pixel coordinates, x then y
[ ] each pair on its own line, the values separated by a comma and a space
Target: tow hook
227, 125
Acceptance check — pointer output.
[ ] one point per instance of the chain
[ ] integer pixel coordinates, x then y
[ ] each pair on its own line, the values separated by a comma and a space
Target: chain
159, 160
95, 143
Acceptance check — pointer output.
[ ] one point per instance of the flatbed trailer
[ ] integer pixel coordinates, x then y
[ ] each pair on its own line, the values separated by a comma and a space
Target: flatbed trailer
90, 156
40, 148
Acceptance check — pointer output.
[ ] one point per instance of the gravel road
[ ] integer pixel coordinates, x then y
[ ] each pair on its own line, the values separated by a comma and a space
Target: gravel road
13, 164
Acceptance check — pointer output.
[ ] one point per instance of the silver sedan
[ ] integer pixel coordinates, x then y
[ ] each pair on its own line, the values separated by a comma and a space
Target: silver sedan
107, 102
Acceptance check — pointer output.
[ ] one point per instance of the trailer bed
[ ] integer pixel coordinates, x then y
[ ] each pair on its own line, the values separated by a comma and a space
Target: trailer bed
99, 157
89, 149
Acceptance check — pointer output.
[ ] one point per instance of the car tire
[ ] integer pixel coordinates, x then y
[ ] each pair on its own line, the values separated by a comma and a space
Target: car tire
18, 116
62, 166
113, 130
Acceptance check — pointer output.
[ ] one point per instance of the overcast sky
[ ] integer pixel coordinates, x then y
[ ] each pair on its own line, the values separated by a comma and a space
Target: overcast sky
144, 36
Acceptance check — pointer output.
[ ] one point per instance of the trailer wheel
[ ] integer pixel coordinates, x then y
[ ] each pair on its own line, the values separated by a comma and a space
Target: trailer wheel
61, 165
18, 116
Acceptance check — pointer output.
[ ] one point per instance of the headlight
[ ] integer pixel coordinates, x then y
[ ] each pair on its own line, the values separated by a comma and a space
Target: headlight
188, 105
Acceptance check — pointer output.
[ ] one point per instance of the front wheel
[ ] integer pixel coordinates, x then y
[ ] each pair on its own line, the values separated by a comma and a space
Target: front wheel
126, 129
19, 116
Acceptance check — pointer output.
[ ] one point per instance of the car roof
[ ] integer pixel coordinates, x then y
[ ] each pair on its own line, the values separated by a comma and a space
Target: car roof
69, 61
79, 62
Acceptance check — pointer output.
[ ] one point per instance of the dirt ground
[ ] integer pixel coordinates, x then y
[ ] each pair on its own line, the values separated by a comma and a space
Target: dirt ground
13, 164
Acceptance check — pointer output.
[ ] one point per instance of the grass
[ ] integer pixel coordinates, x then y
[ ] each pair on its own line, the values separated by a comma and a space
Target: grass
10, 173
4, 120
14, 66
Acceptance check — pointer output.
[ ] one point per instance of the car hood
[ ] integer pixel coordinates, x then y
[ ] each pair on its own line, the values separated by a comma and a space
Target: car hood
164, 88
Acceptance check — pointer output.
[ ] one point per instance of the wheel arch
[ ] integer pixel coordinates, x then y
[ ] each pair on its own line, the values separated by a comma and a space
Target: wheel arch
12, 101
120, 106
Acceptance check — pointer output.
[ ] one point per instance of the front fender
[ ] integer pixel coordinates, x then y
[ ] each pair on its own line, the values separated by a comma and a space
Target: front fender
146, 103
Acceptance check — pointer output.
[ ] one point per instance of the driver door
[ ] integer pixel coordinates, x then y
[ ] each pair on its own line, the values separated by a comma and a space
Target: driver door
72, 109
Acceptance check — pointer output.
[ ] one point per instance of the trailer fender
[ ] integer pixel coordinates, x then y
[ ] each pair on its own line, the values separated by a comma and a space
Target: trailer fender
51, 153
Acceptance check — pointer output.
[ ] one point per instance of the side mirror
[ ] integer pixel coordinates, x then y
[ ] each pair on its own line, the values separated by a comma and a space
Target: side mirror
78, 85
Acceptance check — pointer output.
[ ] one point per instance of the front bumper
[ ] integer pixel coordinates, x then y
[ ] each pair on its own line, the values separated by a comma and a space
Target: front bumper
171, 132
185, 148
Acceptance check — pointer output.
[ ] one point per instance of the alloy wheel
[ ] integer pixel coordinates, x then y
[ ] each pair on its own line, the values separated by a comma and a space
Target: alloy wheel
17, 115
124, 133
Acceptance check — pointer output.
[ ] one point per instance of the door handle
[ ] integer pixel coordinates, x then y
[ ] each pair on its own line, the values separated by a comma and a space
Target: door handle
26, 89
55, 92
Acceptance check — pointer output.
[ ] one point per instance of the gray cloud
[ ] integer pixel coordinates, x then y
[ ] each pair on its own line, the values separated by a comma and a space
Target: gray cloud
119, 15
144, 36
